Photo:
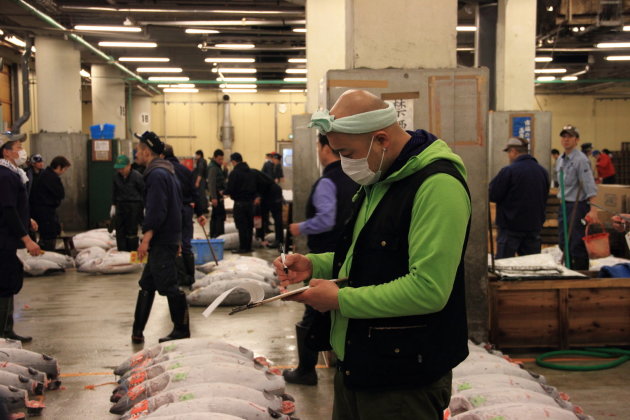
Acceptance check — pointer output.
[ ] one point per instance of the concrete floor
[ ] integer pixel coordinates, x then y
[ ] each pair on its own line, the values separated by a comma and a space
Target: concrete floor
85, 322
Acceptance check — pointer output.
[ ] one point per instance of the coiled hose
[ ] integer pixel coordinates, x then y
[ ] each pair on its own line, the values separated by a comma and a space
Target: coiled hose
620, 356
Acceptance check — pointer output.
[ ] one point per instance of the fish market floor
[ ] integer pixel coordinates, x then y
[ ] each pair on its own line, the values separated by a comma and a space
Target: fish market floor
85, 322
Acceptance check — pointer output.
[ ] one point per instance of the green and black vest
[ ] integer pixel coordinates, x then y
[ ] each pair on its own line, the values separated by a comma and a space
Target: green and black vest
409, 351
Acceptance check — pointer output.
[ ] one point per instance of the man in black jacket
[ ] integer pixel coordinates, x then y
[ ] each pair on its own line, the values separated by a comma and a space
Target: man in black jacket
14, 225
270, 199
216, 187
162, 234
46, 196
242, 188
191, 204
520, 191
127, 196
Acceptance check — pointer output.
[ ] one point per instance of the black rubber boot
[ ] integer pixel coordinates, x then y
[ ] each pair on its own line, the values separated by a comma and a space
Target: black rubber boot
48, 244
305, 373
189, 263
143, 310
8, 326
179, 315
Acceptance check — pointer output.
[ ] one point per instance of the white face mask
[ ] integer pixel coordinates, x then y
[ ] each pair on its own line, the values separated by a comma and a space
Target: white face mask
21, 159
359, 170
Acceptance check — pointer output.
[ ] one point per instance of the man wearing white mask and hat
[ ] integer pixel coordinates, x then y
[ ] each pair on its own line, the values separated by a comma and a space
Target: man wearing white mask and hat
398, 323
14, 225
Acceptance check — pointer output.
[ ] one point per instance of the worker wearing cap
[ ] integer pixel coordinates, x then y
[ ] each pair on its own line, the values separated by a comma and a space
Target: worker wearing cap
35, 168
241, 187
14, 225
574, 170
127, 203
161, 240
268, 167
398, 323
278, 173
520, 191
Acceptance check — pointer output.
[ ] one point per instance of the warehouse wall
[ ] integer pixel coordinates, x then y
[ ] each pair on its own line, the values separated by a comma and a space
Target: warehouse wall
600, 120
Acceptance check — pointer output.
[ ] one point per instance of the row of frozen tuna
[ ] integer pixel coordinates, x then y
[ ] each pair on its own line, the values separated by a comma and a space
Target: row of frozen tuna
25, 374
230, 274
200, 378
489, 386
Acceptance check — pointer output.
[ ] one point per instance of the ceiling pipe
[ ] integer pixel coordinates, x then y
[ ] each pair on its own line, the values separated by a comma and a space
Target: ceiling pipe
26, 91
109, 59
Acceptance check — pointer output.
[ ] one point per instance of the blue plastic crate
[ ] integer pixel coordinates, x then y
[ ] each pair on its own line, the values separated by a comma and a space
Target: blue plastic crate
96, 132
108, 131
202, 250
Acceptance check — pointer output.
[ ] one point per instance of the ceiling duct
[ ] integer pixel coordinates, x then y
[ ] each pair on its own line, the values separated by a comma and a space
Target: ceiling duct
610, 13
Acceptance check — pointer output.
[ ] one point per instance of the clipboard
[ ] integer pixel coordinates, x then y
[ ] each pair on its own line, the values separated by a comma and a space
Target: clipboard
274, 298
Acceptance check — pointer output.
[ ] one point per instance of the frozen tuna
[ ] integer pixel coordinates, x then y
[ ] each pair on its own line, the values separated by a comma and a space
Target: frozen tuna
177, 378
233, 406
18, 381
190, 360
519, 411
37, 361
198, 416
37, 266
180, 346
24, 371
205, 390
479, 382
482, 368
17, 399
114, 262
206, 295
89, 254
7, 343
472, 399
96, 237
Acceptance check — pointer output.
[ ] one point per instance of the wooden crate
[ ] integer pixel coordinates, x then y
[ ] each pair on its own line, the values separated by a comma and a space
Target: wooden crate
559, 313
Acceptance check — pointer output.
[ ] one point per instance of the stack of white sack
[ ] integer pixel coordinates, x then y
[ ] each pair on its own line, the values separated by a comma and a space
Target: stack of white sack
487, 385
96, 237
48, 262
200, 375
98, 261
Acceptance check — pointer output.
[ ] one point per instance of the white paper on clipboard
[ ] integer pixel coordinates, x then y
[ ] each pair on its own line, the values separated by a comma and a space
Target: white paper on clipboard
256, 294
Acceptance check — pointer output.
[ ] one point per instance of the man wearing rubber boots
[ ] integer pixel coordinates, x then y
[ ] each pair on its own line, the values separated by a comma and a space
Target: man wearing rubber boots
398, 323
127, 193
162, 233
14, 225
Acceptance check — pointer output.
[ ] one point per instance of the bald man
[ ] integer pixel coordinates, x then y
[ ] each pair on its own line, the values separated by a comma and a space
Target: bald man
398, 323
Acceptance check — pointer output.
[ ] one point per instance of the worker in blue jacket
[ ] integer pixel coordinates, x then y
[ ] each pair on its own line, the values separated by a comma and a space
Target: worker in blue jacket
161, 240
520, 191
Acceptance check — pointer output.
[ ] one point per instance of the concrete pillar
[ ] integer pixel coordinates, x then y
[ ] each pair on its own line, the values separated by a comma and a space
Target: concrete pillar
140, 111
57, 64
108, 98
327, 23
516, 50
486, 46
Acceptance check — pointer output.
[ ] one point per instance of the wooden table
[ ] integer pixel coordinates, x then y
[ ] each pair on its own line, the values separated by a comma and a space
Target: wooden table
559, 313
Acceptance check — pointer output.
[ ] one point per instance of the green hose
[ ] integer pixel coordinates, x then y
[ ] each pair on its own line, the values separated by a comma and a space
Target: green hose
621, 356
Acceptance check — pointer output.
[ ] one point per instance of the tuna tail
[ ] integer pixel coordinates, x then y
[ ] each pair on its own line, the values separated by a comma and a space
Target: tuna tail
54, 384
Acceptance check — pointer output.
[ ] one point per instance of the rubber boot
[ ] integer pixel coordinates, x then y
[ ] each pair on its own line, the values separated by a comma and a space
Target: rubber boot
179, 315
8, 326
189, 263
143, 310
5, 304
305, 373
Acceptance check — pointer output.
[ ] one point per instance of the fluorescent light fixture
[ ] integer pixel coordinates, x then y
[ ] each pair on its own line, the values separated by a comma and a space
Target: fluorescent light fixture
543, 59
466, 28
545, 78
626, 28
127, 44
146, 59
1, 32
229, 60
201, 31
178, 85
107, 28
300, 30
233, 70
238, 86
569, 78
297, 60
295, 79
618, 58
84, 73
235, 46
163, 86
180, 90
296, 71
550, 71
169, 78
613, 45
15, 41
291, 91
159, 70
236, 79
239, 90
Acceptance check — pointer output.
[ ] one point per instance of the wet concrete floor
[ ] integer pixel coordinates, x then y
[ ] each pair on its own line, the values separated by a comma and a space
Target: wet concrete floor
85, 322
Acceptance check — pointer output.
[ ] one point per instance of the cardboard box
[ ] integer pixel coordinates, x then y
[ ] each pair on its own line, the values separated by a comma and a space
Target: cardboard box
613, 198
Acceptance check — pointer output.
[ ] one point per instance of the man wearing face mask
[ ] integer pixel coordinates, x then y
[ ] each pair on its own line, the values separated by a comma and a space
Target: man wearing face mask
14, 225
398, 323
